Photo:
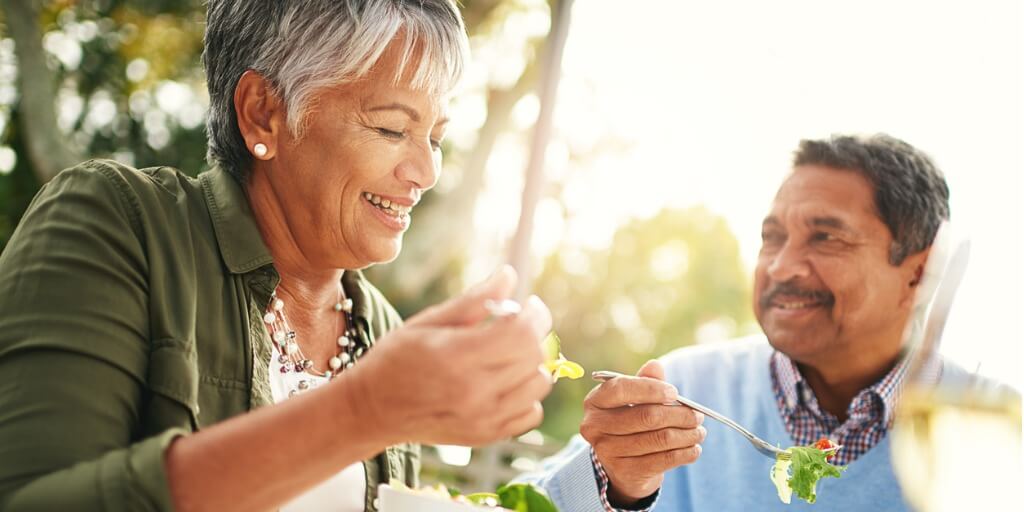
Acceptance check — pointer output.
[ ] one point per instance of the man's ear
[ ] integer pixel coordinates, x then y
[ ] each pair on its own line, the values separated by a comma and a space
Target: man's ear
918, 272
912, 272
260, 115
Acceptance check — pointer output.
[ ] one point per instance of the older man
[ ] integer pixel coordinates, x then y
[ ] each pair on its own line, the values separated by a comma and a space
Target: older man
844, 246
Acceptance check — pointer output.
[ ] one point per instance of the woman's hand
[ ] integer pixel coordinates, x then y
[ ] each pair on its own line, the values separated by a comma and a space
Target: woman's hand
451, 376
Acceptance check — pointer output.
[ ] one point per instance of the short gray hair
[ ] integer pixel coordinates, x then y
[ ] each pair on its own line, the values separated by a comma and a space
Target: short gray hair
911, 195
303, 46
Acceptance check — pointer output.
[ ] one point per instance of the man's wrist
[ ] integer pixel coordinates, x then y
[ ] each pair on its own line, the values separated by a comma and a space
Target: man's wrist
620, 500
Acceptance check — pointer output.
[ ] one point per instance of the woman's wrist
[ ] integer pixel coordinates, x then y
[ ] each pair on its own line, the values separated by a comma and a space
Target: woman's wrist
355, 398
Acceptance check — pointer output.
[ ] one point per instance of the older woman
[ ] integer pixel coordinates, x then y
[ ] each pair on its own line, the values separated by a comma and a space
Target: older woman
145, 313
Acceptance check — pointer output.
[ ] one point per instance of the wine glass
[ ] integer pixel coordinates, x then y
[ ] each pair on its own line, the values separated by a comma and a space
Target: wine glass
956, 445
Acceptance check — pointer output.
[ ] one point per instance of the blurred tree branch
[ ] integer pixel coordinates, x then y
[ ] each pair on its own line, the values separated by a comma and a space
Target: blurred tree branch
37, 84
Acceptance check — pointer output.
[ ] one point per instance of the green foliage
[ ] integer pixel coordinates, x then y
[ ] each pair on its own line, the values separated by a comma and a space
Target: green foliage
105, 112
524, 498
661, 280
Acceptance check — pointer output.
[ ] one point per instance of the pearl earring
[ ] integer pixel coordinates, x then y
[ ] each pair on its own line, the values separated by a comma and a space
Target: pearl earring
260, 150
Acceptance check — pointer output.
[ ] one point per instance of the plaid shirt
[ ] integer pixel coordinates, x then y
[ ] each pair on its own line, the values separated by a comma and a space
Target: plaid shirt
869, 416
602, 488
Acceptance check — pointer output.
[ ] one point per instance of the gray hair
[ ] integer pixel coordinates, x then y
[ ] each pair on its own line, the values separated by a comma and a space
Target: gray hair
303, 46
911, 195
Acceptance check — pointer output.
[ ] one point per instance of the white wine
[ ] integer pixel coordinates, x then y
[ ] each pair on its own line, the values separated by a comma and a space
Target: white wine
959, 452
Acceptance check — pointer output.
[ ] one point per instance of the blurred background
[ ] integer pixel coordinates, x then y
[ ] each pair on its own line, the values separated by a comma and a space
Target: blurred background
674, 125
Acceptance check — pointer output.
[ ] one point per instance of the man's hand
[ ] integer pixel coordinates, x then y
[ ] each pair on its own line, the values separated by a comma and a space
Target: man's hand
635, 436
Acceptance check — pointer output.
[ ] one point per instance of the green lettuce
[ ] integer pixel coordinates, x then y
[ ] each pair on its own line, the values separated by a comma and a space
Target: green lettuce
804, 467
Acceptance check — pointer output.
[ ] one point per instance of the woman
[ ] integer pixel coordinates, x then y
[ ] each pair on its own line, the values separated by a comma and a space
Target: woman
146, 313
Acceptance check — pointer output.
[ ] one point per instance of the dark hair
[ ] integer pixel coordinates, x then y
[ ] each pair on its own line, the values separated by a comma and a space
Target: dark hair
911, 195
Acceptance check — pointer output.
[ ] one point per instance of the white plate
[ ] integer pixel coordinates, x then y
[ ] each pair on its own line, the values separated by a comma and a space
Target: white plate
401, 500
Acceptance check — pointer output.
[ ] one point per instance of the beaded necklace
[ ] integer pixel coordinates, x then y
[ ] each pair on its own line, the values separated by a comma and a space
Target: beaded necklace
290, 356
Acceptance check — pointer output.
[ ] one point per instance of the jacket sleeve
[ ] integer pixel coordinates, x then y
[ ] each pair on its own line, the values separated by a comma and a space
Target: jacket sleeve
74, 353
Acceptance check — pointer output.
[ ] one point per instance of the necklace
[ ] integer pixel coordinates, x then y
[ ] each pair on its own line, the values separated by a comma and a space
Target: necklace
290, 357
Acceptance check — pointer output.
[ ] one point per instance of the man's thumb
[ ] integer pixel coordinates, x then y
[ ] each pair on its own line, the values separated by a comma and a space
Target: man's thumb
652, 369
468, 308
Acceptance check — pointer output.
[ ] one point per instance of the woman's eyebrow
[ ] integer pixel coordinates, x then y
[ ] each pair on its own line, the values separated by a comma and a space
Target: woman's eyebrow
411, 112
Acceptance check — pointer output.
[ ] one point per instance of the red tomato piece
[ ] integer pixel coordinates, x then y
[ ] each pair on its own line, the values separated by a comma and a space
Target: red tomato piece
825, 444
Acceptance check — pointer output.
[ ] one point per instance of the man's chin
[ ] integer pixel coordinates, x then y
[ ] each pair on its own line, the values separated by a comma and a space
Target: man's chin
797, 344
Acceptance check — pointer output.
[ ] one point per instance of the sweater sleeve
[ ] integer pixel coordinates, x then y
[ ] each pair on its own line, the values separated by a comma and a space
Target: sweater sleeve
572, 479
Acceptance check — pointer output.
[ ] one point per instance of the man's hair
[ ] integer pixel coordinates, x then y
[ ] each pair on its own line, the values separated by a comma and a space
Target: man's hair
911, 195
303, 46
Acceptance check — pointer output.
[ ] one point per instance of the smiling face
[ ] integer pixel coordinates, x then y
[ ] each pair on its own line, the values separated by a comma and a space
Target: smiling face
824, 290
345, 188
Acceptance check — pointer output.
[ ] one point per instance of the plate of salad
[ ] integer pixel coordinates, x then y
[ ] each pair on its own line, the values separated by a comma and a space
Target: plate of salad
800, 472
519, 497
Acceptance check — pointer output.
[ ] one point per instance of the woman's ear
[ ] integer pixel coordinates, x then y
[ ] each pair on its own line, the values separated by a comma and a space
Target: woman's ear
260, 115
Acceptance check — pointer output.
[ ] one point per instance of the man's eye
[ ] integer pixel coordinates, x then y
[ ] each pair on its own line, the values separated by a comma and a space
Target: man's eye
391, 134
771, 237
436, 144
823, 237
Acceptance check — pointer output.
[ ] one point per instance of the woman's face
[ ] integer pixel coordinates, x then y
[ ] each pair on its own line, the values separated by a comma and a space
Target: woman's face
347, 186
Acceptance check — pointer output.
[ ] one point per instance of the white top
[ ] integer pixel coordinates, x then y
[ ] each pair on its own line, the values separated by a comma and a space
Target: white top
343, 492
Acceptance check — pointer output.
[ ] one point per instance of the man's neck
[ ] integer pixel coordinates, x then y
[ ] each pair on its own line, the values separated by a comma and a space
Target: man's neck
835, 386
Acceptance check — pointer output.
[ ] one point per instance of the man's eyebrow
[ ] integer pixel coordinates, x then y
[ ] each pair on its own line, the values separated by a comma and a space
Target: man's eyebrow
831, 222
770, 220
411, 112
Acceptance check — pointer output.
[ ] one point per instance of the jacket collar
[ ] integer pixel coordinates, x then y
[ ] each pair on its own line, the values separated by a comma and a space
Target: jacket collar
239, 239
241, 244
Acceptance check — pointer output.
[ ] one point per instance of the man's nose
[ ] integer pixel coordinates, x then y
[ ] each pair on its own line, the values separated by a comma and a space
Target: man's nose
789, 263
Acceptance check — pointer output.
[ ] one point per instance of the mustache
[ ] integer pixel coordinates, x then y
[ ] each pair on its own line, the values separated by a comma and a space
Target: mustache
792, 290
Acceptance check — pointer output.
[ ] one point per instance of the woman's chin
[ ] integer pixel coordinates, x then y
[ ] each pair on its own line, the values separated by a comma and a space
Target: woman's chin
382, 251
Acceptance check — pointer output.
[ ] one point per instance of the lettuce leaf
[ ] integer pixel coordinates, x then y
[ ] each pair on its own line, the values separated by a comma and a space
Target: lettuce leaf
780, 477
805, 466
525, 498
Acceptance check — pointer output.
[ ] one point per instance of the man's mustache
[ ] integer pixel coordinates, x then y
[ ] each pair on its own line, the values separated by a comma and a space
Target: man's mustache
792, 290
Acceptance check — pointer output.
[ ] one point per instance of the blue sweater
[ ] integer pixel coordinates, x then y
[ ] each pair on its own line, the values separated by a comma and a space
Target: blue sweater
732, 378
730, 475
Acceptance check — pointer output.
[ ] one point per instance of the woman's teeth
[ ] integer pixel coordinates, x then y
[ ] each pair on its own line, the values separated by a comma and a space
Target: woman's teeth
385, 205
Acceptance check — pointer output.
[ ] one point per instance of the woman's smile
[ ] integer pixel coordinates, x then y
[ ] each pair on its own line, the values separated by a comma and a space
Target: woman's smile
389, 210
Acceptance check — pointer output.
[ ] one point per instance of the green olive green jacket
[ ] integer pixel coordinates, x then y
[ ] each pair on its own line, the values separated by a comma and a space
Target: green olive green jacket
130, 313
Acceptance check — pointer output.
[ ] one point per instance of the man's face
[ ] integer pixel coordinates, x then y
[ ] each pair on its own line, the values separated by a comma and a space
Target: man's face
824, 289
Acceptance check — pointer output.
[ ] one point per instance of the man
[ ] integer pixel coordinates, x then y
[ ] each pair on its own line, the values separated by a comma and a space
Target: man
843, 251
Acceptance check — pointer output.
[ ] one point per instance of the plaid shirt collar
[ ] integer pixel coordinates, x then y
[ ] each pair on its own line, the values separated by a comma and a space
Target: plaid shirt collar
876, 403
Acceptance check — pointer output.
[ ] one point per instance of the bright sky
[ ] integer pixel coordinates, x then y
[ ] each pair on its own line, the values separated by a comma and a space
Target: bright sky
687, 103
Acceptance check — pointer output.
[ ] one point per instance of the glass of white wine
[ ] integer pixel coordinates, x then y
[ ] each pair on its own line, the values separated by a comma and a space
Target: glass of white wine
956, 445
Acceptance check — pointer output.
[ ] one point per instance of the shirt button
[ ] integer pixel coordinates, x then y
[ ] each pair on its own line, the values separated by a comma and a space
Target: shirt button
376, 503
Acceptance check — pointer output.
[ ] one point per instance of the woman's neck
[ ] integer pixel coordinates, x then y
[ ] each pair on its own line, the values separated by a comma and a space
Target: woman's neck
303, 283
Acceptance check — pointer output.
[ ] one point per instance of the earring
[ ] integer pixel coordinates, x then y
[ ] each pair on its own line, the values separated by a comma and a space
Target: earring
260, 150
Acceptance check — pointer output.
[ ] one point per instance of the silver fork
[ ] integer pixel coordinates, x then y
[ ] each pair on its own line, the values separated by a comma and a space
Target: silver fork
759, 444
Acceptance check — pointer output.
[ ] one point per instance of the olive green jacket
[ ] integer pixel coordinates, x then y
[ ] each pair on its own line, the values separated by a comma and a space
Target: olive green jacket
130, 313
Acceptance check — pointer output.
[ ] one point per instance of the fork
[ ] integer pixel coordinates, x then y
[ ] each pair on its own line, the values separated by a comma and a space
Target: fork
759, 444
